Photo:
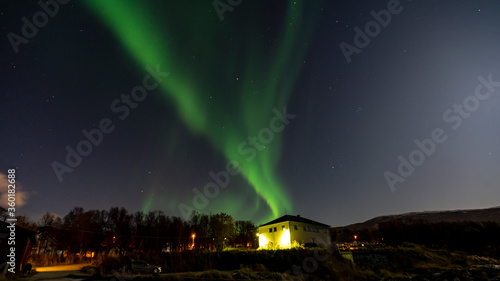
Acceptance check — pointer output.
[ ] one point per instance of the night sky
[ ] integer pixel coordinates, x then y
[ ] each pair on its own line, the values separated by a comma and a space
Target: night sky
164, 98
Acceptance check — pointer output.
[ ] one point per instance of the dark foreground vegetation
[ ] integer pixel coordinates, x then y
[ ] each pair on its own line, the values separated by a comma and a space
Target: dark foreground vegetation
409, 262
475, 238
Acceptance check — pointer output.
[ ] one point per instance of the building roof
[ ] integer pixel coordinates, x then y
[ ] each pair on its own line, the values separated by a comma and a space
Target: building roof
296, 219
20, 232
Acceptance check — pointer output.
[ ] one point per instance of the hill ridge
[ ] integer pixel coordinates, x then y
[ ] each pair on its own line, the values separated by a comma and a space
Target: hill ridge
475, 215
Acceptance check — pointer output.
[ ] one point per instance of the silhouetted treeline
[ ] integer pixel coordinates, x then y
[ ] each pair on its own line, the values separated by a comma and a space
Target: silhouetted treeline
472, 237
118, 231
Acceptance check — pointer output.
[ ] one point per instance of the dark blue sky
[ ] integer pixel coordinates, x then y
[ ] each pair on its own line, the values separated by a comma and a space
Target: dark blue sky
418, 73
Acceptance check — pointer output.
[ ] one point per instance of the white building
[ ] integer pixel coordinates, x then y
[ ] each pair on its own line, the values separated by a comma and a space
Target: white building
288, 230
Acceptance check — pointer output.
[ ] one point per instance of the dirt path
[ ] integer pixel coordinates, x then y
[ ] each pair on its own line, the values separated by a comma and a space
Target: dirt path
57, 272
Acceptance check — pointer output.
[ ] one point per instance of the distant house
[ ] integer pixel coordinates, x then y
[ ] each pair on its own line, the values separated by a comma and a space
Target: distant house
287, 230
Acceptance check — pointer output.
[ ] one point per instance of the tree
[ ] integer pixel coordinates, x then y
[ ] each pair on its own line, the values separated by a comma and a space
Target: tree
24, 221
77, 226
70, 220
200, 226
47, 220
48, 233
138, 230
119, 226
179, 231
245, 233
222, 228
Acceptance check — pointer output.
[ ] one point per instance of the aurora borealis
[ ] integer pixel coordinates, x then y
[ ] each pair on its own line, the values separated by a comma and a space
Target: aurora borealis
268, 74
229, 81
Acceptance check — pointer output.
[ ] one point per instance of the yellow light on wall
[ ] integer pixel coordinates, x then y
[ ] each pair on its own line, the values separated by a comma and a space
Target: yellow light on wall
263, 241
285, 238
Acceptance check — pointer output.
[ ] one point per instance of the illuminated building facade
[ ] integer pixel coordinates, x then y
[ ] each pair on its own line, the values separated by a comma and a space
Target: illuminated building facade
288, 231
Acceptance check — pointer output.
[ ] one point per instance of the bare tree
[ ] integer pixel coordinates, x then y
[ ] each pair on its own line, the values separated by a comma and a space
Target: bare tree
222, 229
24, 221
246, 233
47, 220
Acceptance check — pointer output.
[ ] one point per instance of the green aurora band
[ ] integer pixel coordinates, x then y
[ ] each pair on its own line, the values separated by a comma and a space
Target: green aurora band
251, 72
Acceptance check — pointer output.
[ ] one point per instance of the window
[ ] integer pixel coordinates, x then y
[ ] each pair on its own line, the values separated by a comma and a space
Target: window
270, 229
275, 229
283, 227
305, 229
308, 228
295, 227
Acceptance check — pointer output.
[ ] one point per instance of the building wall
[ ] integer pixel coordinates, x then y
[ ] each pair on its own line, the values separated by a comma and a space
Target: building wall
311, 234
278, 234
284, 234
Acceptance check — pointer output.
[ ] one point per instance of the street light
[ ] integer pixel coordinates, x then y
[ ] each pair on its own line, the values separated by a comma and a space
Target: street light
193, 240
